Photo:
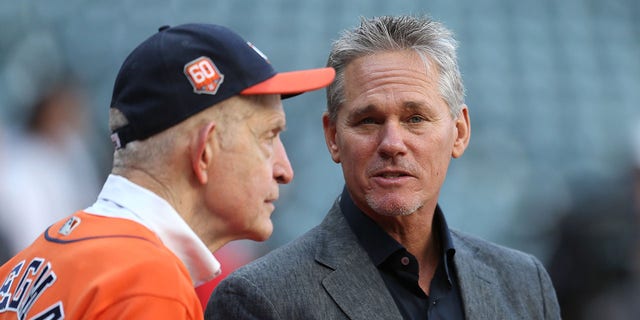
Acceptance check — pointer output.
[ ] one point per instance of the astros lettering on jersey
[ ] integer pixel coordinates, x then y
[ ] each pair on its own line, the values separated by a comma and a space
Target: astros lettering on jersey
50, 279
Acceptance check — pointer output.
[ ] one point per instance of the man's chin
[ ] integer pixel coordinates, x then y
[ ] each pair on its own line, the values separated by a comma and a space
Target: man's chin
391, 206
263, 234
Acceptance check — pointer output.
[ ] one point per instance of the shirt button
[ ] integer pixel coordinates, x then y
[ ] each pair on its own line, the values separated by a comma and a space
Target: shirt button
404, 261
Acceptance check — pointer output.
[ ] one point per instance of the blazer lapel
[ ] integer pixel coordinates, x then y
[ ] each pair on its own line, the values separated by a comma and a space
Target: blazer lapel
355, 283
477, 286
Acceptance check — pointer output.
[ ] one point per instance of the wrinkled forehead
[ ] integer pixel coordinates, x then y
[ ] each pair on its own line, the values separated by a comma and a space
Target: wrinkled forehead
388, 73
266, 111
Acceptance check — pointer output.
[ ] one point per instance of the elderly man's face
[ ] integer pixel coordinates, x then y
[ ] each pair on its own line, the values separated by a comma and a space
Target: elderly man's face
394, 134
251, 165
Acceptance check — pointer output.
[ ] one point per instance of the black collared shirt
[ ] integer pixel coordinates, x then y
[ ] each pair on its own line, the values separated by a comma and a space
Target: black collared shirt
399, 268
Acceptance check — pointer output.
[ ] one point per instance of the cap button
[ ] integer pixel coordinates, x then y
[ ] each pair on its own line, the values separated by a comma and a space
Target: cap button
163, 28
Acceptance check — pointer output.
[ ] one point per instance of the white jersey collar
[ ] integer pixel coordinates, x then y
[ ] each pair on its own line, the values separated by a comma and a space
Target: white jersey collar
121, 198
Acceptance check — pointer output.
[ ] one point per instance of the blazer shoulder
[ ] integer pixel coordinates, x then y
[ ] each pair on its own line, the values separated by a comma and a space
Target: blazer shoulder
282, 260
489, 250
324, 246
493, 277
476, 242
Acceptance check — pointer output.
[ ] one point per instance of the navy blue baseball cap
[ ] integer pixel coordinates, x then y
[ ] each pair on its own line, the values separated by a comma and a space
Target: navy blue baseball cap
185, 69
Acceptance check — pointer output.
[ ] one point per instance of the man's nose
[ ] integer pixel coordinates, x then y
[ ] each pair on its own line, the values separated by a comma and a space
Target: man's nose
391, 140
282, 170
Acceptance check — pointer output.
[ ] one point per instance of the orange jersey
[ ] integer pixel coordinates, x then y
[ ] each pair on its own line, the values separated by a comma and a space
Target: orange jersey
95, 267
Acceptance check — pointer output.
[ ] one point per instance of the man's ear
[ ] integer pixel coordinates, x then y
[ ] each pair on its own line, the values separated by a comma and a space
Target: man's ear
463, 130
330, 137
202, 151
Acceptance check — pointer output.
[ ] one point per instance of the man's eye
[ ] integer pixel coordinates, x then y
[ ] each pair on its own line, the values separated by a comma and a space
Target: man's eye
415, 119
272, 136
367, 121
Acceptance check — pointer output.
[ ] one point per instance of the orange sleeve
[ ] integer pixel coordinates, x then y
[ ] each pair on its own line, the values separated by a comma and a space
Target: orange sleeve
149, 307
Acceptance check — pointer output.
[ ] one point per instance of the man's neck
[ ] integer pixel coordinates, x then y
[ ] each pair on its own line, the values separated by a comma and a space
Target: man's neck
416, 233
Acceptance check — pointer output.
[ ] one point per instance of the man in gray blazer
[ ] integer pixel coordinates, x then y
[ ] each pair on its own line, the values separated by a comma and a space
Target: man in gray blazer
396, 116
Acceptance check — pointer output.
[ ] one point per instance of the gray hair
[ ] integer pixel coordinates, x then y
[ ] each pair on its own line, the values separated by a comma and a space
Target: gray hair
137, 152
155, 150
390, 33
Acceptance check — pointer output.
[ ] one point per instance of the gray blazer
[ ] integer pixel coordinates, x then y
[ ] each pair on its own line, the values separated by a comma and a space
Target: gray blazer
326, 274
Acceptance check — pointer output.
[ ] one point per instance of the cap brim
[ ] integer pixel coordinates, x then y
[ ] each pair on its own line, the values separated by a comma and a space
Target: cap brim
293, 82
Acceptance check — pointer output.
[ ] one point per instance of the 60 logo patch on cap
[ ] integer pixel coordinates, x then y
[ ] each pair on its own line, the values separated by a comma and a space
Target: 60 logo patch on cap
203, 75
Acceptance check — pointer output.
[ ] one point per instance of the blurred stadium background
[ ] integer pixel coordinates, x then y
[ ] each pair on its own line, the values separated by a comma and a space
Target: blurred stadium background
552, 86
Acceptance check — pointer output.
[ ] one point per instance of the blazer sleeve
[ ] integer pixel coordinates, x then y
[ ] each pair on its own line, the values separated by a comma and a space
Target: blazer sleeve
238, 298
549, 299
